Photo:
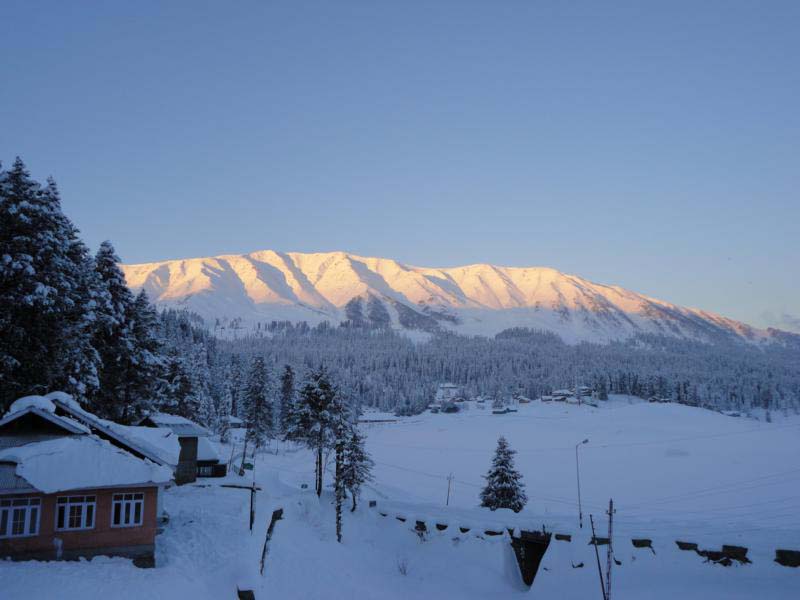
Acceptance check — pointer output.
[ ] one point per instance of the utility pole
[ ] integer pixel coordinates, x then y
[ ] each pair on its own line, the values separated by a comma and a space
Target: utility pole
449, 481
597, 556
610, 555
578, 475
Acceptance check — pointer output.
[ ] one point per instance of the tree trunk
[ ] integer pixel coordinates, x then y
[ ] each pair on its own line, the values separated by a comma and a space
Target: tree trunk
319, 470
354, 502
244, 455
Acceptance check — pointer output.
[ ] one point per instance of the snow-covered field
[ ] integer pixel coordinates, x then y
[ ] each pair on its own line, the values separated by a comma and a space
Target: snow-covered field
674, 473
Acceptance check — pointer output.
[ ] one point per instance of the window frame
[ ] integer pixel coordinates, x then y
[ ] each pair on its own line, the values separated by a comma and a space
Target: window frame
87, 506
31, 508
127, 503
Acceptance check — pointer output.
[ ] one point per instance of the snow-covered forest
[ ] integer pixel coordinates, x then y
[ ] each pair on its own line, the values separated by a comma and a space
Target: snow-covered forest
70, 322
386, 370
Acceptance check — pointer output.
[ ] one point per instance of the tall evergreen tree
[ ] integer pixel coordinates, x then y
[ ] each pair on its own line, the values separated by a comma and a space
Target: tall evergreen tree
357, 465
147, 368
47, 293
114, 340
341, 427
504, 487
313, 418
259, 407
236, 386
224, 416
287, 401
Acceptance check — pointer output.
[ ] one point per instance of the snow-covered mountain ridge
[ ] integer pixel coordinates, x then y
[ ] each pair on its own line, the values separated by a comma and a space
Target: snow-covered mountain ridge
246, 289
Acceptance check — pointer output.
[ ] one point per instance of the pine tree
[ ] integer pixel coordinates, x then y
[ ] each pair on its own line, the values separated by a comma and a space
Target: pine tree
287, 401
147, 368
259, 408
313, 418
504, 488
236, 386
225, 415
341, 427
114, 339
47, 293
339, 482
357, 465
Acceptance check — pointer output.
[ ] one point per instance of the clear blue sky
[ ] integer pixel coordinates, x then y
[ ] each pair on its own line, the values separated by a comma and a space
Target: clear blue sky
654, 145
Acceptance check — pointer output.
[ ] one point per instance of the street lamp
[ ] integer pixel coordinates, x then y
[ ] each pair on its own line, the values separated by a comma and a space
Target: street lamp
578, 474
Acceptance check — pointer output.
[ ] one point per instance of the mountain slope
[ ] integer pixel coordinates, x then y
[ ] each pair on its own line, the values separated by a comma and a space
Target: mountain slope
474, 299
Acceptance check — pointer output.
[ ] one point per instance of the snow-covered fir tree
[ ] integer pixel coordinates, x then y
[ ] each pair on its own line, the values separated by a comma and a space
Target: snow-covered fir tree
236, 385
357, 465
48, 294
224, 414
504, 487
114, 339
286, 401
259, 418
314, 417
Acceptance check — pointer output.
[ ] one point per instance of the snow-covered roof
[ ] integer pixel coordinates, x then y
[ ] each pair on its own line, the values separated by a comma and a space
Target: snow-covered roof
235, 420
139, 446
206, 450
179, 425
43, 407
164, 442
81, 462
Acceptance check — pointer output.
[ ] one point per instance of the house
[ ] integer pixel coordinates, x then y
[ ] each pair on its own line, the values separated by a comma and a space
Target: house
448, 392
66, 493
161, 447
205, 456
235, 422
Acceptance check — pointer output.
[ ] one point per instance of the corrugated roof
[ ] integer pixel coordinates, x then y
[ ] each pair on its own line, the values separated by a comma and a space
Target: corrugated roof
10, 482
178, 425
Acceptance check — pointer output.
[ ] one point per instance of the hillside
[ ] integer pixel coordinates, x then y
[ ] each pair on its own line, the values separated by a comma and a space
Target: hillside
242, 290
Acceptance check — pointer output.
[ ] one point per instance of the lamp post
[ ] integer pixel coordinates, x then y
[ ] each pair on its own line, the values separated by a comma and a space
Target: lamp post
578, 475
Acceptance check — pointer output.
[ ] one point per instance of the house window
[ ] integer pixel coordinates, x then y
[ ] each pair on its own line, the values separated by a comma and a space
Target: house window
127, 510
75, 512
19, 517
205, 471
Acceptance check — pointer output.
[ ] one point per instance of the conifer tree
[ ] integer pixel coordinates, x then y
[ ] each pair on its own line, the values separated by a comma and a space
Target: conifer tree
287, 401
313, 418
259, 408
357, 465
147, 368
114, 339
47, 293
504, 487
341, 427
225, 415
236, 386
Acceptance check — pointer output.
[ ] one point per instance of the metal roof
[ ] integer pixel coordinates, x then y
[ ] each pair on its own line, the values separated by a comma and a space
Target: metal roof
10, 482
68, 424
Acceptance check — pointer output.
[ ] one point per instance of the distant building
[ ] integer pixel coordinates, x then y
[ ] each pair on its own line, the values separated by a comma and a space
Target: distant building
235, 422
197, 453
448, 392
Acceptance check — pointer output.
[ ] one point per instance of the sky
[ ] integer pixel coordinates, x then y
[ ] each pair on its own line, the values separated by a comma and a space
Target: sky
652, 145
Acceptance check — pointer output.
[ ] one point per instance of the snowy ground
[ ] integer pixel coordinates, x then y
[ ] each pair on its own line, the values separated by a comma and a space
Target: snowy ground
674, 473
